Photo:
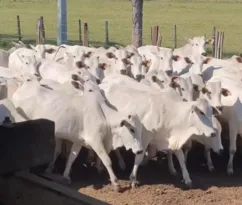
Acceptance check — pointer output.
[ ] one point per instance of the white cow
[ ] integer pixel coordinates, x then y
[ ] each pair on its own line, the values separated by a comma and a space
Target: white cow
162, 119
194, 47
105, 128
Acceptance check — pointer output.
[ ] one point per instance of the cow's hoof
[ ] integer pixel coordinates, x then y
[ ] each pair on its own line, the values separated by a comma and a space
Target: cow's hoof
134, 184
117, 188
230, 171
211, 168
189, 185
65, 180
173, 172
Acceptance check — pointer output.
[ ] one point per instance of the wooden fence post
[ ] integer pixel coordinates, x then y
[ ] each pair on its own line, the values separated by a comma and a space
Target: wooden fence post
85, 35
19, 28
106, 33
175, 37
38, 32
42, 29
222, 45
155, 33
80, 30
214, 41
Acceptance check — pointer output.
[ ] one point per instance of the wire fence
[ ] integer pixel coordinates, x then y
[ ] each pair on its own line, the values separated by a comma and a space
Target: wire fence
100, 33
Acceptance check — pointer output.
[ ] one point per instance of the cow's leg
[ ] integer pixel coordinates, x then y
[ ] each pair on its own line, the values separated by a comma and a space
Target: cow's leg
149, 154
181, 159
137, 162
58, 145
99, 166
102, 154
207, 154
187, 148
232, 148
91, 156
120, 160
133, 177
171, 167
75, 149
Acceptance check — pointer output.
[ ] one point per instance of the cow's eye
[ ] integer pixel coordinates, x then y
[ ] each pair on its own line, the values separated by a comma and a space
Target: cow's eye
196, 44
182, 89
132, 130
202, 113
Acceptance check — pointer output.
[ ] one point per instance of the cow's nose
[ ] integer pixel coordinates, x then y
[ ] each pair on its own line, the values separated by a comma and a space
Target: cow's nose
220, 152
213, 134
98, 81
123, 72
220, 108
138, 77
169, 72
204, 54
139, 152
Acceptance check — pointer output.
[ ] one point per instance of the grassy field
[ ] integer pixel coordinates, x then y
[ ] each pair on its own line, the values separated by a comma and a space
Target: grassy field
192, 18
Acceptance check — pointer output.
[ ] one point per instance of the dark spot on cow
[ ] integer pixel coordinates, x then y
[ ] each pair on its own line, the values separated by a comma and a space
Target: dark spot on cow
75, 77
110, 55
88, 54
132, 130
130, 55
129, 116
123, 72
205, 90
225, 92
175, 58
239, 59
75, 84
50, 50
102, 66
195, 87
126, 61
154, 79
80, 64
207, 60
98, 81
188, 60
90, 90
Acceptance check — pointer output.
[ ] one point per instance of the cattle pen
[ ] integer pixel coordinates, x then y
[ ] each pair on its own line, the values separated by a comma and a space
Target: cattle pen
104, 28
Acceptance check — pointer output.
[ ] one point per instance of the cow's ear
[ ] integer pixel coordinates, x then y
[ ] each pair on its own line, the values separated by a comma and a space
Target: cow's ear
204, 90
50, 50
88, 54
110, 55
176, 58
207, 60
123, 123
154, 78
239, 59
209, 41
225, 92
174, 83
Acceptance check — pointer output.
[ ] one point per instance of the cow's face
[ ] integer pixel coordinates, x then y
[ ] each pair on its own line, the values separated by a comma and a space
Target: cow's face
165, 57
198, 45
184, 87
129, 132
212, 93
201, 118
214, 143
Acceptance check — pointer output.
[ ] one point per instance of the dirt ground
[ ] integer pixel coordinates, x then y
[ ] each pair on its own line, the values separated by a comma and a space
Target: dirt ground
158, 187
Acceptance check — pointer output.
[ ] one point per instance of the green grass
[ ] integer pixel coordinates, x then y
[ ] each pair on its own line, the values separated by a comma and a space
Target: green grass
192, 18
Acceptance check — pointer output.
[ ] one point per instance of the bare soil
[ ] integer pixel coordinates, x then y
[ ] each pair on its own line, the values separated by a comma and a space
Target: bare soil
158, 187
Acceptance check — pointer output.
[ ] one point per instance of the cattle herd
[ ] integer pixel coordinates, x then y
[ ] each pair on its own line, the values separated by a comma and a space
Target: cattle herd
145, 99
